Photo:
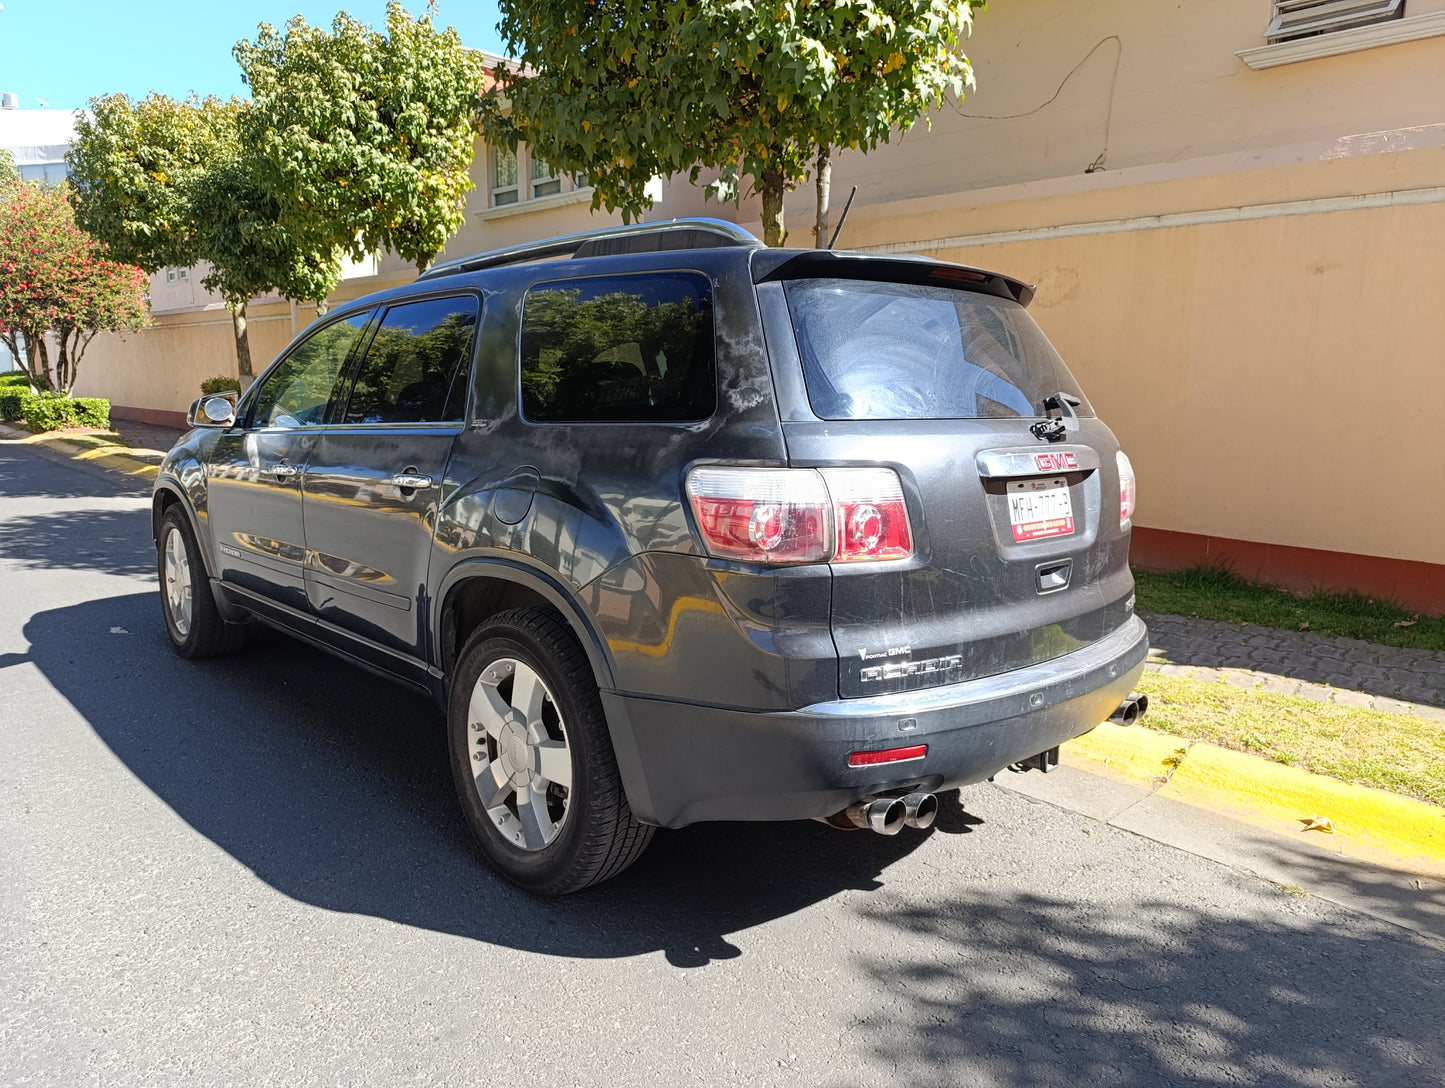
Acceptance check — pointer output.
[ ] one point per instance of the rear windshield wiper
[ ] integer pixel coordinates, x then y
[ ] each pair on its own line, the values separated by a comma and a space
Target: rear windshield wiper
1066, 422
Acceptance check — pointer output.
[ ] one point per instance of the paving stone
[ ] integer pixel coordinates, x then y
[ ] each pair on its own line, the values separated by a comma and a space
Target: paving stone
1431, 713
1280, 685
1340, 680
1181, 671
1422, 695
1203, 672
1240, 679
1361, 657
1318, 692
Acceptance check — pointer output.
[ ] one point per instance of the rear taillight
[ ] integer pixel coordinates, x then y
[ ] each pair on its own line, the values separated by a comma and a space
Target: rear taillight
1126, 489
777, 515
869, 514
764, 515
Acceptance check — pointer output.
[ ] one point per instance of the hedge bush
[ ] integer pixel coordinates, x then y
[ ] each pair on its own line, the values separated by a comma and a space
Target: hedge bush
12, 403
14, 379
220, 384
49, 412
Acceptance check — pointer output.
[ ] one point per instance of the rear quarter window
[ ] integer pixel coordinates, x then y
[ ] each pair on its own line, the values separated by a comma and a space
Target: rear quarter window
611, 349
878, 350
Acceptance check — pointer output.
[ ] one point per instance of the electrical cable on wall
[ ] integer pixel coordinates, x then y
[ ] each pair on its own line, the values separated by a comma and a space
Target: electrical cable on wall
1098, 163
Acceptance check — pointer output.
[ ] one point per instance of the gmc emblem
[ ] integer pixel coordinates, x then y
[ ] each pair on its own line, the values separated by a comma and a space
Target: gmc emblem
1056, 462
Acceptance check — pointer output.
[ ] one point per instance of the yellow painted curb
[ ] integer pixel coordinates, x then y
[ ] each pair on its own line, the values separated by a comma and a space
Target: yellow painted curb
1372, 824
1141, 756
113, 456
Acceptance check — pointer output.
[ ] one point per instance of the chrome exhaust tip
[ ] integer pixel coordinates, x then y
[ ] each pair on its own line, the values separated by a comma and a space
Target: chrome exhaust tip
884, 815
1130, 710
920, 810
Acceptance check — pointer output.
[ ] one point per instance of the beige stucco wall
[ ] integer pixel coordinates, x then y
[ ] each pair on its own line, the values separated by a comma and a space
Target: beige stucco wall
1272, 362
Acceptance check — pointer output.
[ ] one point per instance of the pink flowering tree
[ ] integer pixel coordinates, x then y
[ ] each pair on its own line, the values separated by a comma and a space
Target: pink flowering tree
56, 283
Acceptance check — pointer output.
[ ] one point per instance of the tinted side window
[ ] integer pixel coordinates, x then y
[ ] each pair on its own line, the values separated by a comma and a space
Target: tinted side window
619, 348
415, 370
305, 383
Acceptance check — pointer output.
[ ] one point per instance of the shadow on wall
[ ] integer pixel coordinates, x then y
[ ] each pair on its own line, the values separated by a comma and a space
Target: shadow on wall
334, 787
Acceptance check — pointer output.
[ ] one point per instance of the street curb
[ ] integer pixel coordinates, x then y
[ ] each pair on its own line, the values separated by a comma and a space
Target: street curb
1369, 824
109, 455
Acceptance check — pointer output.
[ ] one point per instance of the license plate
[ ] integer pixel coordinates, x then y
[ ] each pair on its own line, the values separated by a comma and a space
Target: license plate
1039, 509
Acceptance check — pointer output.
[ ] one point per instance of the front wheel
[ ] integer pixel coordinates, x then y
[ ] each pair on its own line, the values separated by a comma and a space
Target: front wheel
192, 619
532, 759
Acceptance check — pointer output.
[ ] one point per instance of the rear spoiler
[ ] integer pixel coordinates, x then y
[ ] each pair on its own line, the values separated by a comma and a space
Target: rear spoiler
771, 265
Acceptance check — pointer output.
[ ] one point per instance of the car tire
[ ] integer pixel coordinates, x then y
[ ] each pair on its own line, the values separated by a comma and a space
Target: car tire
532, 758
192, 619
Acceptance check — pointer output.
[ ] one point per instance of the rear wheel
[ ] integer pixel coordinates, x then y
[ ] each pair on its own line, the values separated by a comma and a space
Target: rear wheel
192, 619
532, 759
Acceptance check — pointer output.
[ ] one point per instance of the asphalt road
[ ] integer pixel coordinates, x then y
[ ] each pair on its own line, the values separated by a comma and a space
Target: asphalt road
251, 871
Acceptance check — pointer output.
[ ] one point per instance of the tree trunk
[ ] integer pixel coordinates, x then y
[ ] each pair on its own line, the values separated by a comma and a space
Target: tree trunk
770, 185
63, 381
824, 177
37, 360
243, 345
321, 307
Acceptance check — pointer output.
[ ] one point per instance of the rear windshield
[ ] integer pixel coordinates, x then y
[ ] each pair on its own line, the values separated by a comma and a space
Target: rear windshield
875, 350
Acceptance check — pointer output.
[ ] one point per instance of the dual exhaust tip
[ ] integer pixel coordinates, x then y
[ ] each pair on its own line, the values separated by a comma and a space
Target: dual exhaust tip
1131, 709
890, 815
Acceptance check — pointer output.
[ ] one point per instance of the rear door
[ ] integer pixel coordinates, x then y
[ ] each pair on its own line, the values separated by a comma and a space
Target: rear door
1019, 552
374, 480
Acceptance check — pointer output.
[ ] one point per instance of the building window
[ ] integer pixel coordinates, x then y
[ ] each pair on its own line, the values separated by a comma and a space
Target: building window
545, 181
519, 176
1295, 19
504, 176
170, 275
181, 274
46, 173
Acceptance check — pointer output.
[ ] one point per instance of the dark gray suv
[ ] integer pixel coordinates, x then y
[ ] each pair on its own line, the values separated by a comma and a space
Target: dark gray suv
677, 527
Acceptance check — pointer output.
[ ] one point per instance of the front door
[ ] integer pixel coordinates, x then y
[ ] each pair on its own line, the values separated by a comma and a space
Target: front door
254, 474
374, 480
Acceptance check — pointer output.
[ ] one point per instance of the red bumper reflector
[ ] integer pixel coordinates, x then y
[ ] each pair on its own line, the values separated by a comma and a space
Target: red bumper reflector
888, 755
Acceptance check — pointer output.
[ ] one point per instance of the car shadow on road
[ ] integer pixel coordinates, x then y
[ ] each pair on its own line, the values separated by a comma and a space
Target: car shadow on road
334, 788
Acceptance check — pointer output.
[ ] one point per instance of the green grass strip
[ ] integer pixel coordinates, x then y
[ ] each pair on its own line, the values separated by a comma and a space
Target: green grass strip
1401, 753
1216, 594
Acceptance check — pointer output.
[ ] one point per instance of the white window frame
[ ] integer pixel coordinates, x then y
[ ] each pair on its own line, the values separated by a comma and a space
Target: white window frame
1408, 29
1298, 19
513, 190
536, 180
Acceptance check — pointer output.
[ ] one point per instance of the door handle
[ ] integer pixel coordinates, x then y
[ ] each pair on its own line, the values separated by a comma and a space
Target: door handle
410, 481
284, 471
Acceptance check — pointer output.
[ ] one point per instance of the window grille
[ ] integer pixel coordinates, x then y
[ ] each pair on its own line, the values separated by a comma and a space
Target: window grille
1294, 19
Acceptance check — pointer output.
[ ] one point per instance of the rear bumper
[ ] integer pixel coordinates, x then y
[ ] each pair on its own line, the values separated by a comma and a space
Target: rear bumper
682, 763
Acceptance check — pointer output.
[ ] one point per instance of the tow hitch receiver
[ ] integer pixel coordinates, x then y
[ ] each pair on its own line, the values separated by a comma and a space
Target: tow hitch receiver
1044, 761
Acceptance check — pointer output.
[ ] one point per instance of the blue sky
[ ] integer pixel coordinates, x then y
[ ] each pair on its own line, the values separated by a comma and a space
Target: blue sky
67, 52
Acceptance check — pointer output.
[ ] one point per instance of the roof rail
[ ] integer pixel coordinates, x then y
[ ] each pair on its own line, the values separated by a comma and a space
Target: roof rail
636, 238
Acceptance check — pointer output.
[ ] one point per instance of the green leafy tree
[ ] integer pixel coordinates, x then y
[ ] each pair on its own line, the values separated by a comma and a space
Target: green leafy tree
134, 165
626, 92
253, 250
167, 182
366, 138
9, 172
56, 279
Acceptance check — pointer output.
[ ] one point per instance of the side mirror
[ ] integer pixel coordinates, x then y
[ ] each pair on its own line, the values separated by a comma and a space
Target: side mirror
217, 410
